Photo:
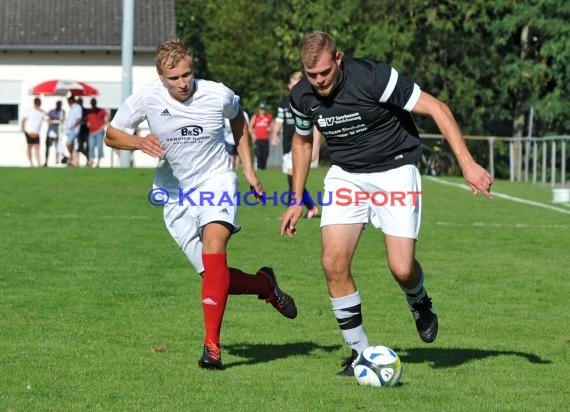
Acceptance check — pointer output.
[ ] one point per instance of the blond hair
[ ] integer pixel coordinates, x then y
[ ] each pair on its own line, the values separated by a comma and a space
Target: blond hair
312, 46
169, 54
295, 77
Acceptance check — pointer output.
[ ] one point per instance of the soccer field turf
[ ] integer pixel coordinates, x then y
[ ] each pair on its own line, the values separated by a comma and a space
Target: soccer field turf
99, 310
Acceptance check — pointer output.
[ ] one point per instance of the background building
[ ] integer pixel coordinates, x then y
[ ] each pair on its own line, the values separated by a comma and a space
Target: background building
74, 40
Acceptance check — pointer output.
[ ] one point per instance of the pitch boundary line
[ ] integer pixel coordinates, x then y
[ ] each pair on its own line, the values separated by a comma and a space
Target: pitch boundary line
502, 196
501, 225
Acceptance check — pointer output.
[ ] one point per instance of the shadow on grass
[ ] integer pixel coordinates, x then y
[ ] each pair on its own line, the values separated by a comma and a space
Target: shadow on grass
260, 353
451, 357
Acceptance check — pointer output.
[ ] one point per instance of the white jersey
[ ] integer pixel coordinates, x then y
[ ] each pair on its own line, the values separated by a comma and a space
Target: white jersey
34, 118
190, 132
75, 112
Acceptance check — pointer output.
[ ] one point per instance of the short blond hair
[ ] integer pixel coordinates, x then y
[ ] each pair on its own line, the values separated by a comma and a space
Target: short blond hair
295, 77
169, 54
312, 46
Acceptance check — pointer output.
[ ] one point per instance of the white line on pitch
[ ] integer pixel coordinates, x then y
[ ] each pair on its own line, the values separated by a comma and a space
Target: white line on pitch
502, 196
501, 225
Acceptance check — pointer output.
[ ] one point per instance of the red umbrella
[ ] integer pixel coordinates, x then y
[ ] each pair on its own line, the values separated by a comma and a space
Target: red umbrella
63, 87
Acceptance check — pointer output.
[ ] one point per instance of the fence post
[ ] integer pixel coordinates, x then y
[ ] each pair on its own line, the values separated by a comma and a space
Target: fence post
553, 164
563, 163
511, 161
526, 158
544, 149
491, 140
534, 159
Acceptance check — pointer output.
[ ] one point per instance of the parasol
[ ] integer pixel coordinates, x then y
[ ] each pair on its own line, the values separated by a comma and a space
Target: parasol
64, 87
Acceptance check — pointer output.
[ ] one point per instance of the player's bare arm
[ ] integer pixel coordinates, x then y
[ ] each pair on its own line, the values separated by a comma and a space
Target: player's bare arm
478, 179
251, 128
301, 149
240, 130
316, 144
275, 130
118, 139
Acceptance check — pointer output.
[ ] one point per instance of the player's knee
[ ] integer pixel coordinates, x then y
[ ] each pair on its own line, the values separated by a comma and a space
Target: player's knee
402, 271
335, 267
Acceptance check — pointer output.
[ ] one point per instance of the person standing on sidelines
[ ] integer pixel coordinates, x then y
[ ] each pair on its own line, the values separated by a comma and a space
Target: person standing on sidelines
83, 135
96, 119
259, 128
31, 126
186, 118
56, 116
363, 108
72, 126
284, 124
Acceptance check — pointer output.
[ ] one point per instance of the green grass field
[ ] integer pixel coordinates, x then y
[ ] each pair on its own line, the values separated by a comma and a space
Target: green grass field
99, 310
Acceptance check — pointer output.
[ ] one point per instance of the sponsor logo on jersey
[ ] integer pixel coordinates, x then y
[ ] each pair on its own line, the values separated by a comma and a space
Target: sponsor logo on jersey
165, 112
191, 130
325, 121
302, 123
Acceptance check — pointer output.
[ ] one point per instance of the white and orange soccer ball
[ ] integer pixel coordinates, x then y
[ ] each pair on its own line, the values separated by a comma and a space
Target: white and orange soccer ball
378, 366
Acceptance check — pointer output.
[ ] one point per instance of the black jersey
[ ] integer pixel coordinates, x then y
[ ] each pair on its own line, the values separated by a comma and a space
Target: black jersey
285, 115
366, 121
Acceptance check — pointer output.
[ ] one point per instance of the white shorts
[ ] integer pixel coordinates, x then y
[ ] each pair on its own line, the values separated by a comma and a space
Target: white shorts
287, 163
214, 202
390, 200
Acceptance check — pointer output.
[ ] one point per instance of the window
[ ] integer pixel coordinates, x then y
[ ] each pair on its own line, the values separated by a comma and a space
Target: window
9, 100
8, 114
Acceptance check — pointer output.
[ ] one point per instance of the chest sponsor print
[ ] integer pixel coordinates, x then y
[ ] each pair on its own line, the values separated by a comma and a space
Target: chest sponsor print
187, 134
342, 125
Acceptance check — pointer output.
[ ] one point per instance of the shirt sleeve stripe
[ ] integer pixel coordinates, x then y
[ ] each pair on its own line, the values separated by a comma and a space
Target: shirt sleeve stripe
303, 132
298, 113
390, 86
413, 98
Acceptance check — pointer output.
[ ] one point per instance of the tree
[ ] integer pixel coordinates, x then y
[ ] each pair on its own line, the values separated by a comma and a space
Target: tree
534, 37
490, 61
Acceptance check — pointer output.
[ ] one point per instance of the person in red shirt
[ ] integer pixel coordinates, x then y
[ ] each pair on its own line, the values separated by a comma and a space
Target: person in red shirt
97, 118
259, 128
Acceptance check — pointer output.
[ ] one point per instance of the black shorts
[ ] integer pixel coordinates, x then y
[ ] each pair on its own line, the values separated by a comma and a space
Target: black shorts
32, 138
231, 148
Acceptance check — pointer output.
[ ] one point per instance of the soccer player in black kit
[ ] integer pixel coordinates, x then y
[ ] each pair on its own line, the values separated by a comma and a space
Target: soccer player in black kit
363, 108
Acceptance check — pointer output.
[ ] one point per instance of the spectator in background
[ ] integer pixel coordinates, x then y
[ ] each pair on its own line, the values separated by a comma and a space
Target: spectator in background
31, 125
72, 126
83, 136
97, 118
285, 123
259, 128
55, 119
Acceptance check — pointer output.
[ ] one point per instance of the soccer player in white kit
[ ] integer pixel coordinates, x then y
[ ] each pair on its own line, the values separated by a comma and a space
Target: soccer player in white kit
195, 177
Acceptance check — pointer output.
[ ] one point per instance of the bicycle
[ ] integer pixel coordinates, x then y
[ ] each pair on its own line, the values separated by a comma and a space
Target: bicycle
436, 161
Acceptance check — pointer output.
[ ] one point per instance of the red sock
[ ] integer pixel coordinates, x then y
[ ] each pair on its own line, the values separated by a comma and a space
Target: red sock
215, 287
243, 284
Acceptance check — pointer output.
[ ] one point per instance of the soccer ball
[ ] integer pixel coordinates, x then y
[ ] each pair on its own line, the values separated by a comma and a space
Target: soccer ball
378, 366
